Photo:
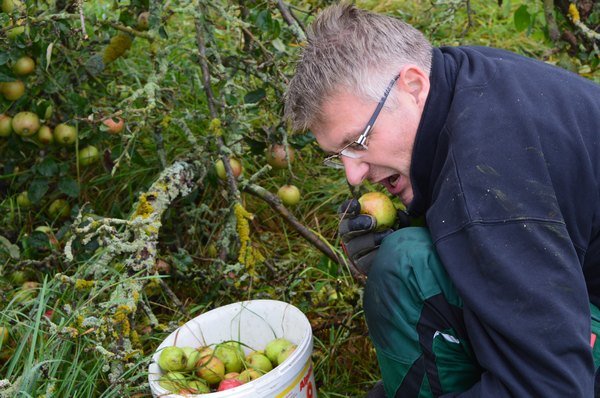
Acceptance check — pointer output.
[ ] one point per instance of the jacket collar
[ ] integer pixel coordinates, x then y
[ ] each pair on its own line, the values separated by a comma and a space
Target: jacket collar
428, 145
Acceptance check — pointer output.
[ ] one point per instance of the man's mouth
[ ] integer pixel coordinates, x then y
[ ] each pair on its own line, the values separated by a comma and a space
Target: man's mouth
393, 184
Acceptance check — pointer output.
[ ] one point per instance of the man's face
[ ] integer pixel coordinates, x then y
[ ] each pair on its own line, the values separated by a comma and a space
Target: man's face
388, 158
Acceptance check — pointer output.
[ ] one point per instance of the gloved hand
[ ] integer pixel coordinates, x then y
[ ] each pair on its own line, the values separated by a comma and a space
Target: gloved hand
360, 241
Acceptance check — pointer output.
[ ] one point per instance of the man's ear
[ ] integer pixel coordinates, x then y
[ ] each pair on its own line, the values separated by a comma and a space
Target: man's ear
415, 82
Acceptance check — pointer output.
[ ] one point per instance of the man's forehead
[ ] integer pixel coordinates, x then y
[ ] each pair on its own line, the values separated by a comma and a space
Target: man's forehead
339, 122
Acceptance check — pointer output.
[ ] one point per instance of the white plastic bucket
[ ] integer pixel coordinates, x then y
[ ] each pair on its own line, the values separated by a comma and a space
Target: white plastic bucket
253, 323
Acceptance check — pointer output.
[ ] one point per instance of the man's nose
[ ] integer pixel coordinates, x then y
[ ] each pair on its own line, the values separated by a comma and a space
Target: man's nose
356, 170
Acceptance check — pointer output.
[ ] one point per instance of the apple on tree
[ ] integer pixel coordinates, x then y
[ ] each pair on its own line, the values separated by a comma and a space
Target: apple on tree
289, 195
24, 66
276, 156
236, 168
14, 90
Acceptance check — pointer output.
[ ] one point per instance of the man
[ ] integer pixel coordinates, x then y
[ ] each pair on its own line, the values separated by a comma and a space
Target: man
501, 155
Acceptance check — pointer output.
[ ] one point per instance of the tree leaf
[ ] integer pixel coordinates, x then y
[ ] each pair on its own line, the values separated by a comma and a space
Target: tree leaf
12, 249
47, 168
254, 96
69, 187
522, 18
37, 189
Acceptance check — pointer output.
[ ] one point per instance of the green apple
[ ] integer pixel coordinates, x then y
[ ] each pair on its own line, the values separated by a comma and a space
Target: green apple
289, 195
14, 90
23, 200
5, 125
172, 359
276, 347
45, 136
24, 66
231, 375
249, 375
88, 155
211, 369
286, 353
9, 6
206, 351
59, 209
26, 123
380, 206
195, 387
259, 362
236, 168
192, 356
65, 134
231, 358
15, 31
173, 381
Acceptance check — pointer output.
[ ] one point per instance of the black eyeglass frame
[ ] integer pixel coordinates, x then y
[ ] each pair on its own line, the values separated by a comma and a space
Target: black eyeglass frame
335, 160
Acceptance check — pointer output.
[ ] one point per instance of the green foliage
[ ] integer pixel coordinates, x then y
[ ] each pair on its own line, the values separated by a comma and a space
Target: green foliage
87, 325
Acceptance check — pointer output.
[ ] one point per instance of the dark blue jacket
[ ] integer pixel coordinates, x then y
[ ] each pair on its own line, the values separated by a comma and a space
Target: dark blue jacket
506, 167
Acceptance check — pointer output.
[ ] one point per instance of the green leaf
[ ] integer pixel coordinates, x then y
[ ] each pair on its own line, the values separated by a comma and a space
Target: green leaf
279, 46
38, 240
69, 187
522, 18
254, 96
13, 250
6, 78
4, 57
264, 20
37, 189
47, 168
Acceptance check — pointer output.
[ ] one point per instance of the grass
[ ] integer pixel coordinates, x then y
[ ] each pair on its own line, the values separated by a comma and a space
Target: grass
74, 333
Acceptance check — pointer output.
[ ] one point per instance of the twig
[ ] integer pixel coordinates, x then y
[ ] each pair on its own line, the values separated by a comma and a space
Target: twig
550, 20
173, 297
127, 29
82, 19
309, 235
297, 29
212, 107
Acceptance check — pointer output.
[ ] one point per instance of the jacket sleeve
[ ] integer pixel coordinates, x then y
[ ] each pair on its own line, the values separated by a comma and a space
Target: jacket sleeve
525, 308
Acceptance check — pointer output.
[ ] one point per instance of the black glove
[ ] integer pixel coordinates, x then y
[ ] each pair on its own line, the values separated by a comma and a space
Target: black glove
360, 241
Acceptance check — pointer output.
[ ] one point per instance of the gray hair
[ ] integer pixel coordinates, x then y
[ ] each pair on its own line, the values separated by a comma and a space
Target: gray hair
353, 49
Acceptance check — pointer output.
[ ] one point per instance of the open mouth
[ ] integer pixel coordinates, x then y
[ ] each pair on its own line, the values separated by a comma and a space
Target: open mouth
392, 184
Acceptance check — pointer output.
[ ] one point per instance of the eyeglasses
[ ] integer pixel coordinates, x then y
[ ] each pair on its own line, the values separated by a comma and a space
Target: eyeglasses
353, 149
